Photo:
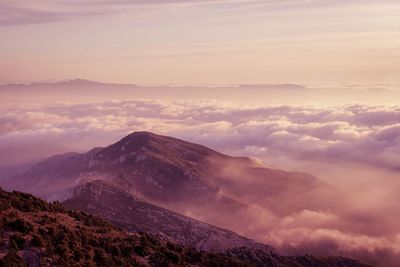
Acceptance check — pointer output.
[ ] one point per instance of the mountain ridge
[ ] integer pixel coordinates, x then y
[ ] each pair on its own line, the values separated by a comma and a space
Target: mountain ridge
134, 215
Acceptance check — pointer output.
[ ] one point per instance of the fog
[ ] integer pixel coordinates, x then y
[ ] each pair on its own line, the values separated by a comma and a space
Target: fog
353, 212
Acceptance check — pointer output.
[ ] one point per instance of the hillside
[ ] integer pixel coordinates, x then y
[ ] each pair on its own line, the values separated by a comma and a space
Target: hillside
35, 232
104, 200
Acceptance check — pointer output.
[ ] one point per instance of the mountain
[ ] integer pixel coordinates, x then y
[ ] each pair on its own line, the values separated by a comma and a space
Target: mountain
37, 233
186, 178
82, 90
104, 200
78, 82
160, 169
278, 87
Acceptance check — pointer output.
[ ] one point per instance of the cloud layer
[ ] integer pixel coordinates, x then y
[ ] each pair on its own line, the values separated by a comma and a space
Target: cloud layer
352, 133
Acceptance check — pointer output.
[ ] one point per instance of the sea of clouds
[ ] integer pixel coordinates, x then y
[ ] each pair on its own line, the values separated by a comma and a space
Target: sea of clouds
355, 133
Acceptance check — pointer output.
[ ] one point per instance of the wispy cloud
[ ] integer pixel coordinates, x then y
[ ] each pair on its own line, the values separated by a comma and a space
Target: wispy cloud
45, 11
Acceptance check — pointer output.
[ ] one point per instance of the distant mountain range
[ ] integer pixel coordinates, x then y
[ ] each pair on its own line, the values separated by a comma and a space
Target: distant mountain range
86, 82
86, 90
83, 90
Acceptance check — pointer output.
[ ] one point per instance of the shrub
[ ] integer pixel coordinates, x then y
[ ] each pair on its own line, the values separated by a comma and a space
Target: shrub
19, 240
20, 225
12, 259
37, 241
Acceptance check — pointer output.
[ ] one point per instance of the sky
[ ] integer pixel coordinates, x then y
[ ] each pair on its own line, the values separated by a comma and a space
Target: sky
200, 41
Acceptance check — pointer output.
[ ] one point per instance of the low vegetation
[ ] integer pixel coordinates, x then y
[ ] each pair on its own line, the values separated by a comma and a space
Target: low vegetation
33, 230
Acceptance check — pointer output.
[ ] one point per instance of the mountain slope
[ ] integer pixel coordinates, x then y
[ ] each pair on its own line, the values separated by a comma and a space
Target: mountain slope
104, 200
163, 170
190, 179
46, 234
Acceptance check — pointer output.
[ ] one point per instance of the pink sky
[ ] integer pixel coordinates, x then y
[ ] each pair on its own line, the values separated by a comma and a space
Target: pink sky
200, 42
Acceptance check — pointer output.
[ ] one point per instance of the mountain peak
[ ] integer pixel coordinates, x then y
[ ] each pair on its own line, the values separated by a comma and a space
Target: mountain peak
141, 134
78, 81
135, 141
165, 146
